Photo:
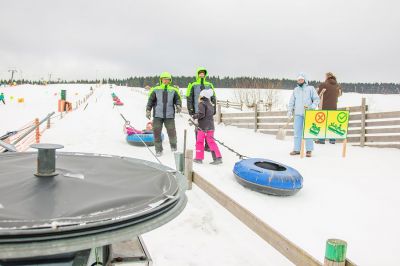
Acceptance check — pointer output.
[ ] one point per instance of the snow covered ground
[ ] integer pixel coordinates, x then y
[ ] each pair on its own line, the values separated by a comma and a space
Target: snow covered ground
354, 199
38, 102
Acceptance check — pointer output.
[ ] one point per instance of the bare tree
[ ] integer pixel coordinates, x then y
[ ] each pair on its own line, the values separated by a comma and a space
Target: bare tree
267, 99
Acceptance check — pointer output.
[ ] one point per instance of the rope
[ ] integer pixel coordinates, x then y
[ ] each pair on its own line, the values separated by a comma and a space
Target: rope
127, 123
241, 156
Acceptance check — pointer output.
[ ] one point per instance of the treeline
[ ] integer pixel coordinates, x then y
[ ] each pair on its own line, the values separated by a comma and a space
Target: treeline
237, 82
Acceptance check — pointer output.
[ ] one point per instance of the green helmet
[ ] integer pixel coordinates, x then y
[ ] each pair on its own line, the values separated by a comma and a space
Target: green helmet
199, 69
165, 75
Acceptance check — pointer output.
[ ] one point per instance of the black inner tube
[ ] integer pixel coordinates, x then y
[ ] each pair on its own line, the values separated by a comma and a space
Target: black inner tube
270, 166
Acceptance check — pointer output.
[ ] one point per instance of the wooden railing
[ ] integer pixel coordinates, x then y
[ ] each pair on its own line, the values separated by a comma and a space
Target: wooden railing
380, 129
228, 104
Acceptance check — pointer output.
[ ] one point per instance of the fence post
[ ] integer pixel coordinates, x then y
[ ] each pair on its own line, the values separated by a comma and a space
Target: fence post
48, 123
219, 114
255, 117
184, 142
189, 167
37, 130
363, 118
335, 252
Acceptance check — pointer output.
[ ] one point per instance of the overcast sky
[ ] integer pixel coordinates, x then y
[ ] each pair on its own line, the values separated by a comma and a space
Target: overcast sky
359, 40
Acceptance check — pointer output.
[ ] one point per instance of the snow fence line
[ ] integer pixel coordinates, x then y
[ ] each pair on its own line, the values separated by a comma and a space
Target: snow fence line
30, 133
335, 253
380, 129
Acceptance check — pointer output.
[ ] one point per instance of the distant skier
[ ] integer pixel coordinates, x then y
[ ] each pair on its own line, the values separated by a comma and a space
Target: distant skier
303, 97
206, 128
2, 98
165, 100
329, 97
193, 93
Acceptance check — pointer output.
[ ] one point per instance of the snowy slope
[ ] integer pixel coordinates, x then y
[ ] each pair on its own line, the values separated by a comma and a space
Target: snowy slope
354, 199
204, 234
38, 102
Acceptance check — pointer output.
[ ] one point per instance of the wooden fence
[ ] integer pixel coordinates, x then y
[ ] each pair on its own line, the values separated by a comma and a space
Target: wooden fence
229, 104
287, 248
380, 129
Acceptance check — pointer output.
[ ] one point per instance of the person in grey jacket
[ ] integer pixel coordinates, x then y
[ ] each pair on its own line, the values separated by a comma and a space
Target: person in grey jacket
303, 97
165, 100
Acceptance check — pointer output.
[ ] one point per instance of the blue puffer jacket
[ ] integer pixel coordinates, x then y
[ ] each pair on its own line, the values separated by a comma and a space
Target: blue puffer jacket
305, 95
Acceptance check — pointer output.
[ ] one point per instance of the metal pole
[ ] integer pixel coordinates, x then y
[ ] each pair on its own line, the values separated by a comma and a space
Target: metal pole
46, 161
184, 141
32, 129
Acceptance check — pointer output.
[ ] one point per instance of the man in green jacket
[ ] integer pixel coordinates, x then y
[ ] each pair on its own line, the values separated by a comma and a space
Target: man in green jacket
193, 94
165, 100
194, 89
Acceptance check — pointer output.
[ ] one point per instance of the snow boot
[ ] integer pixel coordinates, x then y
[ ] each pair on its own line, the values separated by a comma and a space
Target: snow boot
294, 153
158, 153
308, 154
198, 161
217, 161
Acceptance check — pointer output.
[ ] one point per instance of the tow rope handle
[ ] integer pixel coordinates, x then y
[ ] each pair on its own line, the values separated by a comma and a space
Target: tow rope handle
191, 122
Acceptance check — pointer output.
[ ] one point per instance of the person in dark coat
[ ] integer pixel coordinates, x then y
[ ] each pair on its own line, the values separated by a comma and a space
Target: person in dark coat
329, 98
205, 117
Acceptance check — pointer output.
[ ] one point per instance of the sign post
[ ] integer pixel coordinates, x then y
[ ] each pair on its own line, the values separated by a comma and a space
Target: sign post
326, 124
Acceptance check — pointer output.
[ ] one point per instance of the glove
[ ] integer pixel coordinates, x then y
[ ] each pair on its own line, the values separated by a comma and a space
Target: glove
178, 109
196, 122
148, 114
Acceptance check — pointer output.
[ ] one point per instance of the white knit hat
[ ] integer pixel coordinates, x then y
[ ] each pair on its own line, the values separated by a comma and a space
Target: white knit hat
206, 93
301, 76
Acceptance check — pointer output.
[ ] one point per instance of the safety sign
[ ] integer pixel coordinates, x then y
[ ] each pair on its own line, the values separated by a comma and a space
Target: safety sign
325, 124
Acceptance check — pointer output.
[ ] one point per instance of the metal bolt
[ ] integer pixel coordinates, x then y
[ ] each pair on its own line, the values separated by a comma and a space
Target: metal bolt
46, 161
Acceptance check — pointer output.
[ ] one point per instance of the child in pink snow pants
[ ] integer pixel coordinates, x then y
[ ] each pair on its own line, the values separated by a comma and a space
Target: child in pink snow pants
205, 132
